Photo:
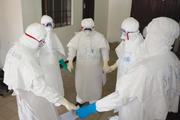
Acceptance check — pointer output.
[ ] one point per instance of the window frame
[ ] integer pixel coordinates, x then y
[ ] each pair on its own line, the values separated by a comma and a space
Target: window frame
61, 19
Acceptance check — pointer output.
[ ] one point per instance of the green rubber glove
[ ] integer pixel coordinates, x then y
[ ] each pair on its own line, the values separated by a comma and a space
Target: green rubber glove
61, 61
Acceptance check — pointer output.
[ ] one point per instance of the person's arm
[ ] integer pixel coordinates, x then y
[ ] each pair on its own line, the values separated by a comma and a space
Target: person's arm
35, 82
111, 102
72, 47
108, 103
40, 88
105, 56
130, 87
71, 55
114, 66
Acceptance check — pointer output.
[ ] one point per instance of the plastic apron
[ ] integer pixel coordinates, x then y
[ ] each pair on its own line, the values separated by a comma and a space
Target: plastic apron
89, 71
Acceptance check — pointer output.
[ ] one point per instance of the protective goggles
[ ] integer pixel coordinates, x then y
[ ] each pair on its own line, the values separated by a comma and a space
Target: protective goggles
49, 24
124, 33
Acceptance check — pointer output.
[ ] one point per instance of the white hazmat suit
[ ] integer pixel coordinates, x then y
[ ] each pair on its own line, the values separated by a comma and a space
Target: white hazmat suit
89, 45
50, 54
23, 74
151, 88
127, 50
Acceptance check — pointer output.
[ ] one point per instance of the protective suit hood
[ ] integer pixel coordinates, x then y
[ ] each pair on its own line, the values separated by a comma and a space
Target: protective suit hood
87, 25
130, 35
34, 36
161, 34
47, 22
129, 28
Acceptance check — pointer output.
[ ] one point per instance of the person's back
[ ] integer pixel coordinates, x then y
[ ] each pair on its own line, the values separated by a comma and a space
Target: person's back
160, 89
162, 76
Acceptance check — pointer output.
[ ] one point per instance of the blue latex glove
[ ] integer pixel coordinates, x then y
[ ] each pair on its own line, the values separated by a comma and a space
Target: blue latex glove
85, 111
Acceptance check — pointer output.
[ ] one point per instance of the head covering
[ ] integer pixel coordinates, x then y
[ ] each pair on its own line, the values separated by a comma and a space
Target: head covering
87, 23
129, 27
161, 34
47, 21
34, 36
127, 51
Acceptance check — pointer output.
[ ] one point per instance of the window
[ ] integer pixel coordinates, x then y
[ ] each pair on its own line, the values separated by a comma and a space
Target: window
59, 10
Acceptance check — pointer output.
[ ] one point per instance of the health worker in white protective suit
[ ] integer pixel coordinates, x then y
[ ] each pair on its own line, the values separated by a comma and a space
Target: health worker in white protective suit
150, 89
127, 50
23, 74
88, 45
50, 54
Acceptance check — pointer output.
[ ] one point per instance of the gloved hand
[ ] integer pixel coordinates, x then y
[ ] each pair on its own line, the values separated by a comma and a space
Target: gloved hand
61, 61
70, 65
69, 106
106, 67
85, 111
113, 67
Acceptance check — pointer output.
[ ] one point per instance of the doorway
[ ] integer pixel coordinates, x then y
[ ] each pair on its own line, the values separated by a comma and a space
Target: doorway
145, 10
88, 9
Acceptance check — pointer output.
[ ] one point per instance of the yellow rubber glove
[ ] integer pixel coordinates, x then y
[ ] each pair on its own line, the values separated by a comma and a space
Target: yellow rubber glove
106, 67
70, 65
113, 67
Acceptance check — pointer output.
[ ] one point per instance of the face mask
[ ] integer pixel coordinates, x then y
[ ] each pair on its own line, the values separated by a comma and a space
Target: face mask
49, 28
125, 35
90, 29
41, 42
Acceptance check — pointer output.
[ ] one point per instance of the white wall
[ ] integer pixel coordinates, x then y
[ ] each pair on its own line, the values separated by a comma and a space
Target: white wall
108, 15
101, 16
11, 26
32, 12
117, 12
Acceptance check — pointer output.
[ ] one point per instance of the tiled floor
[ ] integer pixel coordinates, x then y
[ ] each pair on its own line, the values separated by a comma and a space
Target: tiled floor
8, 107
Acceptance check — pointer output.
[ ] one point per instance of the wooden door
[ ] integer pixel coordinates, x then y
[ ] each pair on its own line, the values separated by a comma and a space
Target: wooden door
88, 9
145, 10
